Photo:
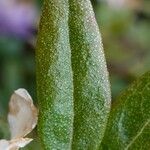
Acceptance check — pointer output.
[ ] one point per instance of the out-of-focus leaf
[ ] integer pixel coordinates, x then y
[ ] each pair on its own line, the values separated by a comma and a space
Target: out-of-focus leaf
34, 145
4, 129
129, 123
10, 47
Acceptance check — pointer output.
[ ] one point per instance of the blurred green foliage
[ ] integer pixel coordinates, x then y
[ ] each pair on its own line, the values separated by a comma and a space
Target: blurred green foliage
125, 34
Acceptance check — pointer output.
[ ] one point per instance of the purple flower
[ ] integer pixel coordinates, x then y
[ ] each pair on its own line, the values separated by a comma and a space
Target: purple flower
17, 18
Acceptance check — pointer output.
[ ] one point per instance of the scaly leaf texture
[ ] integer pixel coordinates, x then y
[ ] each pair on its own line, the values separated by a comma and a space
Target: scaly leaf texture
129, 123
90, 77
54, 77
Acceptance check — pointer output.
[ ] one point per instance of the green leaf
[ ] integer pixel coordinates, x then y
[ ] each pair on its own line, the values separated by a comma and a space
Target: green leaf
129, 123
91, 85
54, 77
72, 79
4, 129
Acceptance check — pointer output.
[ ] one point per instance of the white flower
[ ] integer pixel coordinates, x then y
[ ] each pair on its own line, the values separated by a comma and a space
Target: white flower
22, 118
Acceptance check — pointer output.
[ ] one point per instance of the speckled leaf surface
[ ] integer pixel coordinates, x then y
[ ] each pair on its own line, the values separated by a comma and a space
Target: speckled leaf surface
129, 122
54, 77
91, 85
72, 79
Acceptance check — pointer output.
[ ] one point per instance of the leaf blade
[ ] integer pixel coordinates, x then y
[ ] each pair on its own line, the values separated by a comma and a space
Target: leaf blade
130, 118
54, 77
90, 76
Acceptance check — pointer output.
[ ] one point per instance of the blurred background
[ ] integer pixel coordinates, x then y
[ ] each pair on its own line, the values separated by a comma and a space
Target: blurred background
125, 29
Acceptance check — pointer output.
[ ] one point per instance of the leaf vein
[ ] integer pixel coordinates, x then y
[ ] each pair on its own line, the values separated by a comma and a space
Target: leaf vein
137, 135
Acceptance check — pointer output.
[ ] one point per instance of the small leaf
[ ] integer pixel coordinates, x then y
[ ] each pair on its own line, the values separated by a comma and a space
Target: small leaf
129, 122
